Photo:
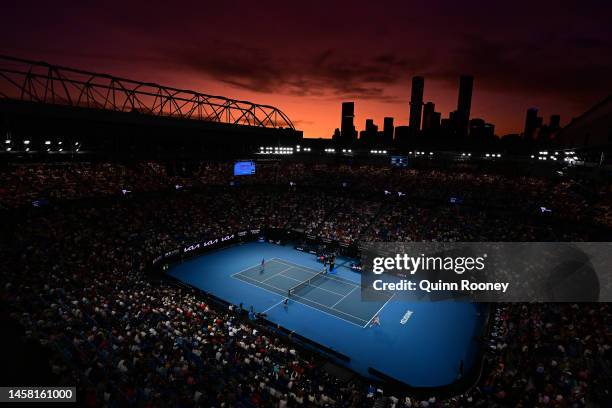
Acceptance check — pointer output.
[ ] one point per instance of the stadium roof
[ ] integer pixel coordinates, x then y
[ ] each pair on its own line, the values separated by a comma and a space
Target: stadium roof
41, 82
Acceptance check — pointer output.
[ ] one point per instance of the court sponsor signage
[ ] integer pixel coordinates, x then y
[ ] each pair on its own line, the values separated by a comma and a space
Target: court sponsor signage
406, 317
205, 244
172, 253
208, 243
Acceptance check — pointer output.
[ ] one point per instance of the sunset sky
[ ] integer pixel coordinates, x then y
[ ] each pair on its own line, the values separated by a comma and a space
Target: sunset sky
307, 57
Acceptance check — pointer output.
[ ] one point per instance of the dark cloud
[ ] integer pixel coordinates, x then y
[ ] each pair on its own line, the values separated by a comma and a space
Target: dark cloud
330, 72
573, 69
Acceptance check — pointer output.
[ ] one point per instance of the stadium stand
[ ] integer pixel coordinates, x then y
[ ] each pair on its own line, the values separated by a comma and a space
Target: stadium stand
75, 279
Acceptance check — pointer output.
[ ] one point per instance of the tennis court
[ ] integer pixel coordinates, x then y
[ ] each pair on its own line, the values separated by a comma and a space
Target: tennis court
327, 293
419, 343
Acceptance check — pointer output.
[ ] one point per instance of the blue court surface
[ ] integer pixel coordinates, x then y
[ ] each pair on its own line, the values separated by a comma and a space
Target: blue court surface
419, 343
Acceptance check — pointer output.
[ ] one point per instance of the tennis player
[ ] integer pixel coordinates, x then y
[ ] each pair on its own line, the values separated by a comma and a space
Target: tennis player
375, 321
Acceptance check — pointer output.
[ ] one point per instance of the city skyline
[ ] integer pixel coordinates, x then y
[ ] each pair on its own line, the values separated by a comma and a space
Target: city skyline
307, 61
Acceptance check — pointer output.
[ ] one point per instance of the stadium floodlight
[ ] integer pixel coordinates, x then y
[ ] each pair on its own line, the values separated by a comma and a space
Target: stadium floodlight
487, 155
27, 149
384, 152
7, 141
26, 142
61, 150
431, 153
47, 142
8, 149
532, 156
60, 142
498, 155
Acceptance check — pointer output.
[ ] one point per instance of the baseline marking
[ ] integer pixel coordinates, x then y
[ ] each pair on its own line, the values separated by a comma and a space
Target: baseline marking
251, 267
381, 308
273, 306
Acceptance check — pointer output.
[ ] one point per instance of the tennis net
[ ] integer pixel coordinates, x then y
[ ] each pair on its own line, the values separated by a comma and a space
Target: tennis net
301, 285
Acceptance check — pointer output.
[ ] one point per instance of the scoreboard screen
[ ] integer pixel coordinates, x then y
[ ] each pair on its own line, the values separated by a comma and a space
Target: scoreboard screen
244, 168
399, 161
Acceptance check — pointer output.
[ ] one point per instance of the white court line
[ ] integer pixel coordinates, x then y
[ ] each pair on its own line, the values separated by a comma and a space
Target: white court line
314, 286
376, 314
244, 270
312, 307
273, 306
276, 274
343, 297
255, 266
309, 269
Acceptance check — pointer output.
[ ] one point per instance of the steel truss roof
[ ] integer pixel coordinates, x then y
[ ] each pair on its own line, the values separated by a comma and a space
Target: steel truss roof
41, 82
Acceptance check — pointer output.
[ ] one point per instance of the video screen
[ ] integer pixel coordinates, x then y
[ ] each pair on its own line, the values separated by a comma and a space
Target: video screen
244, 168
399, 161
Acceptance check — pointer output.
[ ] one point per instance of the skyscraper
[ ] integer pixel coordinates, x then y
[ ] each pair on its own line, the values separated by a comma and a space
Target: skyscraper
347, 128
531, 123
464, 104
555, 122
416, 103
428, 113
435, 120
388, 131
368, 135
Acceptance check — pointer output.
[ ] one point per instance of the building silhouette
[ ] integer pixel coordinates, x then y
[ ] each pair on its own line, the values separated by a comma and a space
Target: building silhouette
369, 135
428, 116
348, 134
532, 123
387, 133
402, 135
464, 104
555, 123
416, 103
481, 132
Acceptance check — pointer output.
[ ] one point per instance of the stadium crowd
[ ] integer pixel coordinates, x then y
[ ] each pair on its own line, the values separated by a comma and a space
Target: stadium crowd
74, 276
